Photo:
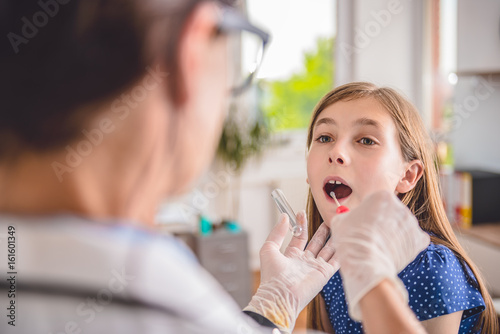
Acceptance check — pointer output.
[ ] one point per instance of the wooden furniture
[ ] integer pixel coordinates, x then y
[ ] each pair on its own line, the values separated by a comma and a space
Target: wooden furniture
487, 233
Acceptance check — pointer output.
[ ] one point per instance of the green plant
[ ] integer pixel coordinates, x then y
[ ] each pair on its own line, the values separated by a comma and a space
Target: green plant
241, 138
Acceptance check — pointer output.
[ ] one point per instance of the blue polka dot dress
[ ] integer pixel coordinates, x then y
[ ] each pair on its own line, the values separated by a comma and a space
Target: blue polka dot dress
437, 284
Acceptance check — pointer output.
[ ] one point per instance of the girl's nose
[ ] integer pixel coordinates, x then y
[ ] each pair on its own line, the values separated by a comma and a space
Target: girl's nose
339, 161
338, 157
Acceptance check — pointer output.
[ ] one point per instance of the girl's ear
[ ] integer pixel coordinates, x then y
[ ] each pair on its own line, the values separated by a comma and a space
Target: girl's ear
413, 173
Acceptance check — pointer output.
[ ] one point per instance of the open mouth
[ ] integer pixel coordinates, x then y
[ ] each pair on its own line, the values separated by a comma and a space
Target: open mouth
341, 190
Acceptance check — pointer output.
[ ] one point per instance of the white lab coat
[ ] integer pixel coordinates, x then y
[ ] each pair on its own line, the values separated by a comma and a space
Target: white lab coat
78, 276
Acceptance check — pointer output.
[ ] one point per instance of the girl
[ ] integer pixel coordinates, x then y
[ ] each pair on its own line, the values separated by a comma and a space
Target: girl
362, 139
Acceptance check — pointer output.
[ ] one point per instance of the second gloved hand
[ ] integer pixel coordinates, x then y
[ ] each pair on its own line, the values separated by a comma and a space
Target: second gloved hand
291, 280
375, 241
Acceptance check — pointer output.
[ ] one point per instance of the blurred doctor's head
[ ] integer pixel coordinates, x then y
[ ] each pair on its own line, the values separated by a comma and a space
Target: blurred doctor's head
131, 88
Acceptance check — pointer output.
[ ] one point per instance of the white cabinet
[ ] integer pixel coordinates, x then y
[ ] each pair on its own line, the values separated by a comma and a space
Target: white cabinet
482, 244
478, 36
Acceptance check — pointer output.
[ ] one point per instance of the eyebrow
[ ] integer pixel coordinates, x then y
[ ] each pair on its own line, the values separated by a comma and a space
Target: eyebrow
325, 120
364, 121
368, 122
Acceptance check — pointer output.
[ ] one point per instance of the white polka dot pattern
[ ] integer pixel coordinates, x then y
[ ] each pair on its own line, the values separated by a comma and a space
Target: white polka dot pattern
437, 284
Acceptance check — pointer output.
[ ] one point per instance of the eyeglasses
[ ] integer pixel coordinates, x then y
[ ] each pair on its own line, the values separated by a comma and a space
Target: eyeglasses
253, 43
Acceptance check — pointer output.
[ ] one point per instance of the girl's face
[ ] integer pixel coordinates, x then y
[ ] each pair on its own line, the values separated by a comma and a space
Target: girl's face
354, 152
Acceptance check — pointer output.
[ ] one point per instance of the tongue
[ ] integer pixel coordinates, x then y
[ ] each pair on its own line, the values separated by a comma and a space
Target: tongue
342, 191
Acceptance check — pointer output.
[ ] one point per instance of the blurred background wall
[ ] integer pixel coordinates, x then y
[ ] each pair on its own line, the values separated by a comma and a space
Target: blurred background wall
444, 55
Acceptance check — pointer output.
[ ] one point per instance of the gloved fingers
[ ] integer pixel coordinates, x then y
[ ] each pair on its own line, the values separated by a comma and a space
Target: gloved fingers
334, 263
275, 238
327, 251
300, 241
335, 260
318, 240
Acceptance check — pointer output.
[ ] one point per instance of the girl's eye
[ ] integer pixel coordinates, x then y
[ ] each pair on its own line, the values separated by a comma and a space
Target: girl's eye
367, 141
324, 139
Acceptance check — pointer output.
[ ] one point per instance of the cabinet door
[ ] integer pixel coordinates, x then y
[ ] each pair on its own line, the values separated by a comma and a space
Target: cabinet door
225, 256
478, 36
485, 256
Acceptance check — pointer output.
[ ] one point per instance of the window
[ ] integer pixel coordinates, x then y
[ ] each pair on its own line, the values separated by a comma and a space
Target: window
298, 67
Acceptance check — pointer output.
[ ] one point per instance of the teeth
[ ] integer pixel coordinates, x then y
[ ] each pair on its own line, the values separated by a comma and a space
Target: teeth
338, 182
334, 182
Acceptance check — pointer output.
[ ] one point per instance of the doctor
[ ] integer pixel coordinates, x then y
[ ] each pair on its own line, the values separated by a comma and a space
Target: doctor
107, 108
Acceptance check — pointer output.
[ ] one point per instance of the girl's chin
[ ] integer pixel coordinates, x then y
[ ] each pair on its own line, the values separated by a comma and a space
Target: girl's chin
329, 216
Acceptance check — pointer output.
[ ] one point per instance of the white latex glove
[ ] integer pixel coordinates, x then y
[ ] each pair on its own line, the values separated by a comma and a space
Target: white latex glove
291, 280
375, 241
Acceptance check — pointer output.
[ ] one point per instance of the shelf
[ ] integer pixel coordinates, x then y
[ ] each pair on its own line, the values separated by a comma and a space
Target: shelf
477, 73
489, 233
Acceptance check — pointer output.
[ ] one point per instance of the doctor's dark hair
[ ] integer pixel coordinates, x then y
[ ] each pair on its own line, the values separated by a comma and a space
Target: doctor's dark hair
61, 59
424, 200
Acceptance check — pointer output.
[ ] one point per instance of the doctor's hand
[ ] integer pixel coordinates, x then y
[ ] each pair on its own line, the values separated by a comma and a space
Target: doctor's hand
373, 242
289, 281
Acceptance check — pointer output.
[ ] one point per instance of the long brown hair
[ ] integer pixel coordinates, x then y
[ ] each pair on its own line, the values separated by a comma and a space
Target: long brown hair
424, 200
